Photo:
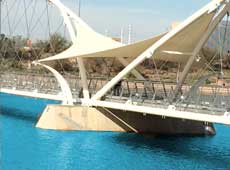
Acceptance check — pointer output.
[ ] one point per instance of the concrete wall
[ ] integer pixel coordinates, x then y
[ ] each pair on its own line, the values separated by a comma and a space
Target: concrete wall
58, 117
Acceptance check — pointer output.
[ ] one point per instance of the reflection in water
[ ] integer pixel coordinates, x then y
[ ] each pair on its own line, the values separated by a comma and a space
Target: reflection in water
25, 147
17, 114
197, 149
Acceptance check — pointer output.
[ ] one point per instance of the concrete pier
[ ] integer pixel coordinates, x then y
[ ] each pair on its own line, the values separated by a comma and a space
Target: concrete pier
59, 117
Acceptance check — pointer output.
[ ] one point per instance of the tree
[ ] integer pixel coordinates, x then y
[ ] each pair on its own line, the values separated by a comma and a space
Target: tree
58, 43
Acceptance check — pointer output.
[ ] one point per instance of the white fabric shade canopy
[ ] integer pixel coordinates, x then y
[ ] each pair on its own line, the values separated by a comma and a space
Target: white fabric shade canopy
178, 48
181, 46
105, 47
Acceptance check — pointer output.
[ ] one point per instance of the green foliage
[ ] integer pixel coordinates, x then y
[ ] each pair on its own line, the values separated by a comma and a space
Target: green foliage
58, 43
14, 53
208, 82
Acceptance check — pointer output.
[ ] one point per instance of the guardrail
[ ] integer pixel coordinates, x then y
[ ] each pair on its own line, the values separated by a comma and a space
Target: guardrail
213, 98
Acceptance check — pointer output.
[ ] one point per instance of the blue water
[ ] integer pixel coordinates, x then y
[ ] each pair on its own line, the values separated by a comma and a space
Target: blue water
24, 147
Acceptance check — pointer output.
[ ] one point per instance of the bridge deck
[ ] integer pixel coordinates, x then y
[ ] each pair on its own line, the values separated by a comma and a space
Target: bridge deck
209, 100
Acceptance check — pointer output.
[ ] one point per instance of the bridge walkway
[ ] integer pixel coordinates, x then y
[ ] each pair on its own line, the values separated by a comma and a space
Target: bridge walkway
206, 99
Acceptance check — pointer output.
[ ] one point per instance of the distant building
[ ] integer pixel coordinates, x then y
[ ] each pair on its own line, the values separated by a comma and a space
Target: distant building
116, 39
174, 24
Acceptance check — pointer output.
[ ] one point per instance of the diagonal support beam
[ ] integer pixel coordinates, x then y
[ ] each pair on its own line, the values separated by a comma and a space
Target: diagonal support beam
137, 74
150, 51
204, 39
168, 112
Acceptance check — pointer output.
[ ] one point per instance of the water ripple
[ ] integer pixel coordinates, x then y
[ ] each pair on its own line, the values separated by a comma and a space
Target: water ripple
27, 148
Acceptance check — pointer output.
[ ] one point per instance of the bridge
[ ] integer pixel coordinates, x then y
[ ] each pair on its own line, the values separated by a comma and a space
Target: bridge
211, 100
196, 101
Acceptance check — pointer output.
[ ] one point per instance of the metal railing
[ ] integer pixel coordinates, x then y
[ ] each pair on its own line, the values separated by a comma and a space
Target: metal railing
210, 98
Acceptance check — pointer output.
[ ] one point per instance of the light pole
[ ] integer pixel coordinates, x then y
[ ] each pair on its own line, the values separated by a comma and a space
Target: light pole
0, 16
79, 8
130, 34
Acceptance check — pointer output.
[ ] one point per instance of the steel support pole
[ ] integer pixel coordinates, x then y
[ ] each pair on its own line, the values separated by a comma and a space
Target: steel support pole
82, 65
125, 63
150, 51
79, 8
0, 16
204, 39
65, 12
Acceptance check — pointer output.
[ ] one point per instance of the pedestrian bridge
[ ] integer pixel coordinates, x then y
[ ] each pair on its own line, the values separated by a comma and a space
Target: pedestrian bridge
209, 103
183, 46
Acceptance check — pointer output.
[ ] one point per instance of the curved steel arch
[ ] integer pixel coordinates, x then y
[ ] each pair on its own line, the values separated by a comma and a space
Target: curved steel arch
66, 91
67, 14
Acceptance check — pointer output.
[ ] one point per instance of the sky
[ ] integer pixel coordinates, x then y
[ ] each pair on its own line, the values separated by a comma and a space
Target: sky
147, 17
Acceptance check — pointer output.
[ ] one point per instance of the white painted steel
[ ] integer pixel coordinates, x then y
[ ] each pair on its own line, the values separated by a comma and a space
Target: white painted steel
125, 63
66, 15
67, 98
203, 40
150, 51
32, 94
169, 112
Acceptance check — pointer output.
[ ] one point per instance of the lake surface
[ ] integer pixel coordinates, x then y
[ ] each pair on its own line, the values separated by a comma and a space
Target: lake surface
24, 147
